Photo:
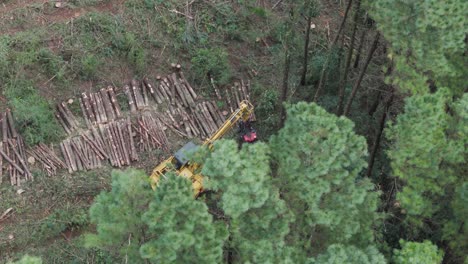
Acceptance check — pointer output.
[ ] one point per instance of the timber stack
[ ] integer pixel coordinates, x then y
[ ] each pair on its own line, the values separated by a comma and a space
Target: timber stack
150, 133
12, 151
66, 118
47, 158
100, 107
112, 141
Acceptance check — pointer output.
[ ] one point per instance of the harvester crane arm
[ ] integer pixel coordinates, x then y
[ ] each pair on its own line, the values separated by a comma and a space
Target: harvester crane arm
187, 169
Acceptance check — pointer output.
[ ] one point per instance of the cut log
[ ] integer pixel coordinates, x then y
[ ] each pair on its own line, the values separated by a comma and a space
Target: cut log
26, 173
96, 148
172, 89
67, 160
89, 108
71, 156
113, 147
107, 104
94, 108
85, 116
131, 101
137, 95
215, 113
144, 92
4, 127
62, 123
70, 115
122, 144
101, 109
132, 143
113, 99
157, 97
177, 88
187, 84
7, 158
11, 123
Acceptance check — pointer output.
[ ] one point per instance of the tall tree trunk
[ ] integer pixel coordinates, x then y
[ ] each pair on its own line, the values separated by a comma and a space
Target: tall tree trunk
375, 147
343, 22
306, 51
358, 53
361, 74
344, 77
285, 88
374, 106
325, 65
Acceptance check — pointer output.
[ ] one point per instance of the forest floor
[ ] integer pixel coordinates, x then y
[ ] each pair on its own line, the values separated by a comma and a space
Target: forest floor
129, 40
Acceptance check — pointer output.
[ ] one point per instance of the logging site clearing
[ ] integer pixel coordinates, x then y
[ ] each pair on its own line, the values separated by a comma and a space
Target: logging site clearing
246, 131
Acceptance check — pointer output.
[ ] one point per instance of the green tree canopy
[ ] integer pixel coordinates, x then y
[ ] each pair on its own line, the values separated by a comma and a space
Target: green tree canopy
338, 254
117, 215
319, 158
429, 154
417, 253
428, 40
183, 230
259, 218
163, 226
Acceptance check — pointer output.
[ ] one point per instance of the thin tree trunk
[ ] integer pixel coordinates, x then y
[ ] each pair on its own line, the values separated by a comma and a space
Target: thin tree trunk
348, 7
361, 74
375, 147
325, 65
358, 53
374, 106
284, 92
306, 51
342, 85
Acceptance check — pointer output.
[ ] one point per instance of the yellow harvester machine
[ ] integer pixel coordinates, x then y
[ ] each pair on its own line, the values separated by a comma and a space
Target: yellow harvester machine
180, 163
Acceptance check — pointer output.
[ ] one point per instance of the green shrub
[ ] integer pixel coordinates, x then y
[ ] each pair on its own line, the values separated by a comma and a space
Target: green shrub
212, 62
62, 220
52, 64
89, 67
33, 115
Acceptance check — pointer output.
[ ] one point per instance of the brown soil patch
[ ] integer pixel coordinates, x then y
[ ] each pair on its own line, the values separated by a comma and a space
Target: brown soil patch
51, 14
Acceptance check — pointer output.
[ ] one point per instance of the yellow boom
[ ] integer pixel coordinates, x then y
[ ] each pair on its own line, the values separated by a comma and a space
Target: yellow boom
187, 169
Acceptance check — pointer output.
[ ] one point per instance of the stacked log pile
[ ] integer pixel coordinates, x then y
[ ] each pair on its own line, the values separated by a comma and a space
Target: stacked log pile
173, 89
12, 151
137, 95
66, 118
150, 133
100, 107
115, 139
112, 141
46, 156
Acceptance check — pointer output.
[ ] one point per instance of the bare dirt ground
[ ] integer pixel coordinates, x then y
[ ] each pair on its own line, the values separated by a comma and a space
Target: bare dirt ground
45, 12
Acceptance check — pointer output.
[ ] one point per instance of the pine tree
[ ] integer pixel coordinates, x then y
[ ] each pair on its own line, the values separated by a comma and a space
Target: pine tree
417, 253
319, 158
259, 219
117, 215
338, 254
428, 41
163, 226
184, 231
429, 155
